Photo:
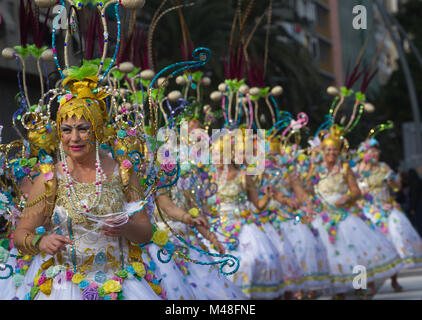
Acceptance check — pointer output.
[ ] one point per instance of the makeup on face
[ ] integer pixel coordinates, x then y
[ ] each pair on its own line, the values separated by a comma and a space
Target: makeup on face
76, 134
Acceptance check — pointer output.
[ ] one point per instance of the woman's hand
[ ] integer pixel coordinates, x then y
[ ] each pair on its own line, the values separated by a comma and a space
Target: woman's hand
220, 247
194, 222
340, 203
292, 203
53, 243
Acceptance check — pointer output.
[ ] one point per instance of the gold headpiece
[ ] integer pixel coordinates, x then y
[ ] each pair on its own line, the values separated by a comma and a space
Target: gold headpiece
334, 137
84, 102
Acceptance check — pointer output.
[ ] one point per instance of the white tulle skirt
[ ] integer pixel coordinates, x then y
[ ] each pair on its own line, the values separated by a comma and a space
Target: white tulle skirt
259, 274
133, 289
172, 278
405, 238
310, 253
291, 271
208, 282
357, 246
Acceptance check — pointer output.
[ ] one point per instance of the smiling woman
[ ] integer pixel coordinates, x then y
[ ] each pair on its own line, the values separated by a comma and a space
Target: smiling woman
80, 224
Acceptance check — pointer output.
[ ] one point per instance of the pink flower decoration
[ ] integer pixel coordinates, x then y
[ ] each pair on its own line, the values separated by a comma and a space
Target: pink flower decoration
93, 285
149, 277
41, 280
127, 164
69, 275
113, 296
118, 279
168, 167
48, 175
131, 132
218, 201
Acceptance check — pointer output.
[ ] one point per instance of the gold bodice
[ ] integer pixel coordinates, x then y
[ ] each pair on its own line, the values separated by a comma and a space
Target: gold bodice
112, 199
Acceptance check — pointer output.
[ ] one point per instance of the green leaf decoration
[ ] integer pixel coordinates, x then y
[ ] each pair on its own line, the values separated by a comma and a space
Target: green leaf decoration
154, 94
23, 163
5, 243
197, 76
22, 51
234, 84
346, 92
35, 51
360, 97
134, 72
145, 83
87, 70
32, 162
117, 74
264, 92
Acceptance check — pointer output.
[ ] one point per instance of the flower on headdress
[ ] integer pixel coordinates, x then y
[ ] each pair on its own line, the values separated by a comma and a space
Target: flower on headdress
65, 98
48, 176
127, 164
131, 132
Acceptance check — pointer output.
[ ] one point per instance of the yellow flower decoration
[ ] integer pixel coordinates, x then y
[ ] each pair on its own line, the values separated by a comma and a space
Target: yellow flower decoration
160, 237
27, 258
244, 214
112, 286
46, 287
139, 269
157, 289
302, 157
37, 277
377, 215
77, 278
194, 212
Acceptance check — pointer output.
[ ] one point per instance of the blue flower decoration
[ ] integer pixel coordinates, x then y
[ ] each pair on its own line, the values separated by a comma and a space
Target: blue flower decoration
83, 284
56, 218
131, 269
153, 265
27, 297
121, 134
169, 247
40, 230
100, 258
100, 277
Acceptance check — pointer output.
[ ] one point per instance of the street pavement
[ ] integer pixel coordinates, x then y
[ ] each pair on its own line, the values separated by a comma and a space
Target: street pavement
410, 280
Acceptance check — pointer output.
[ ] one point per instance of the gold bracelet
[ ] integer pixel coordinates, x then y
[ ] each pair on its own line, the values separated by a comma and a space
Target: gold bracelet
24, 244
36, 201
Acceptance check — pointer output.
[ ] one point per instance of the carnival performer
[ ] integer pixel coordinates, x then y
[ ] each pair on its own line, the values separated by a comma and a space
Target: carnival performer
268, 221
376, 179
259, 273
294, 218
349, 241
83, 236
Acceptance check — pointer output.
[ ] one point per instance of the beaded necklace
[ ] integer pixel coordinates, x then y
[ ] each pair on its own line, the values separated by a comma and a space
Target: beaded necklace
69, 183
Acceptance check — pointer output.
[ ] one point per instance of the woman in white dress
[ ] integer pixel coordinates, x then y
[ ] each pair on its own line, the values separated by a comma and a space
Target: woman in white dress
375, 180
350, 242
81, 224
